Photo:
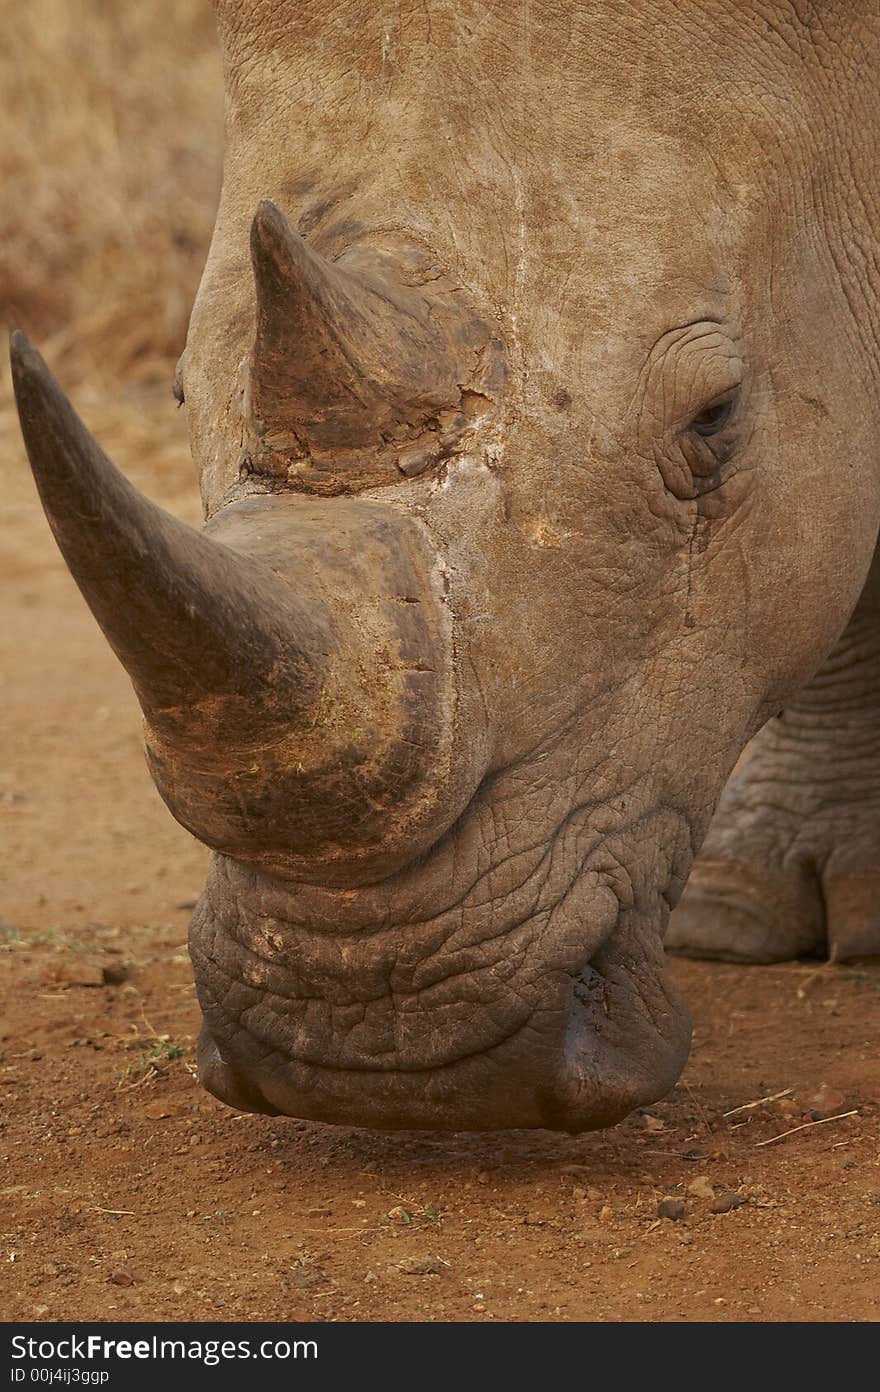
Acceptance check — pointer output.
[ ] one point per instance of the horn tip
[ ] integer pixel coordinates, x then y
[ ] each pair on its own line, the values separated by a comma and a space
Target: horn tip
30, 375
22, 353
274, 241
18, 341
269, 224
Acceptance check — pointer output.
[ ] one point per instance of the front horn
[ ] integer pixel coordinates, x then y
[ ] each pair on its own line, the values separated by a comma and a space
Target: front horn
190, 619
294, 704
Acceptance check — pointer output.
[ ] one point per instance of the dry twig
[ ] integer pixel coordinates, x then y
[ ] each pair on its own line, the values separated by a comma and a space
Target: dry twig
805, 1126
817, 973
748, 1106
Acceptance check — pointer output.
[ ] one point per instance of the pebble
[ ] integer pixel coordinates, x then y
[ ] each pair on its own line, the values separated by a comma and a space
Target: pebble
114, 974
701, 1187
606, 1213
726, 1203
421, 1266
825, 1102
534, 1220
674, 1209
121, 1276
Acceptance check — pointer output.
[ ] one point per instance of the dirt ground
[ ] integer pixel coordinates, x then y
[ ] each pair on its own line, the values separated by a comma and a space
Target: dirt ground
127, 1192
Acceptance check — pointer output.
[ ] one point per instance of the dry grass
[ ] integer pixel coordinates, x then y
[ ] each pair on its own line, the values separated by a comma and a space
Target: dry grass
109, 163
110, 147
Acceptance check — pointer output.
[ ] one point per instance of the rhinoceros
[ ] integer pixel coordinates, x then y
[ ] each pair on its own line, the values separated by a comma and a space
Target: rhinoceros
534, 387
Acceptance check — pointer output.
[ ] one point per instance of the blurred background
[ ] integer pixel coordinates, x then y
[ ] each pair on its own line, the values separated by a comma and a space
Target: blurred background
110, 148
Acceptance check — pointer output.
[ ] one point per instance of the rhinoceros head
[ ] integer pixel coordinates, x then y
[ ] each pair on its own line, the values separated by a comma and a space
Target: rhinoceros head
519, 412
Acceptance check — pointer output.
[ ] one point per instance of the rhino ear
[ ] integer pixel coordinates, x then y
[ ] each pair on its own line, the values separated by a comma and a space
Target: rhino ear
351, 367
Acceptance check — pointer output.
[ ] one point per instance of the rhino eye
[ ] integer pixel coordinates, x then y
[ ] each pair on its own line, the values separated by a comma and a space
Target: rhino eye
712, 419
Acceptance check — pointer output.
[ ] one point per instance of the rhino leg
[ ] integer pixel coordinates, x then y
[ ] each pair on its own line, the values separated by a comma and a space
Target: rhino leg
791, 864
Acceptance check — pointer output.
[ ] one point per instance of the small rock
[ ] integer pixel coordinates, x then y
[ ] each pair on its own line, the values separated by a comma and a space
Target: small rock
156, 1111
726, 1203
653, 1124
121, 1276
114, 973
787, 1109
673, 1209
478, 1307
534, 1220
825, 1102
701, 1187
484, 1177
606, 1213
421, 1266
578, 1193
51, 1269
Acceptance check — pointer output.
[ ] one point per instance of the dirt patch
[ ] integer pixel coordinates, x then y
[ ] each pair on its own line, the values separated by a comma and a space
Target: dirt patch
127, 1192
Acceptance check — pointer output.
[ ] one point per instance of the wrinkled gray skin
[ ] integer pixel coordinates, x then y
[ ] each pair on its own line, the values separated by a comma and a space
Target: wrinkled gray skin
644, 551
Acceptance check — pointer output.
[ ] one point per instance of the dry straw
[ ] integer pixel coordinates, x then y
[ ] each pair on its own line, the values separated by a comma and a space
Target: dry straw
109, 166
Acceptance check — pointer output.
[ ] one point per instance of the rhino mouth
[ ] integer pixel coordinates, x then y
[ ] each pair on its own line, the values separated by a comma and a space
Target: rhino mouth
561, 1046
